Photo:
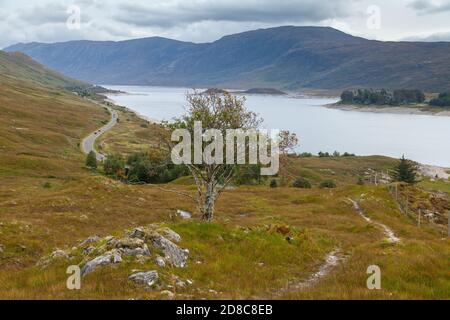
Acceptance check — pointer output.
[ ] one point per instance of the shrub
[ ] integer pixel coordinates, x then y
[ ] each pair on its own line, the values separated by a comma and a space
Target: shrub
91, 160
273, 183
153, 168
114, 165
324, 154
328, 184
47, 185
302, 183
360, 181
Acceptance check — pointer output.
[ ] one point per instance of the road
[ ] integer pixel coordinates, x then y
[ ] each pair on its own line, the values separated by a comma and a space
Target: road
88, 143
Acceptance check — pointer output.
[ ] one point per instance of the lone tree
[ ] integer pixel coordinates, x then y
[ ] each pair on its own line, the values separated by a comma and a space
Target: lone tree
91, 160
221, 112
406, 171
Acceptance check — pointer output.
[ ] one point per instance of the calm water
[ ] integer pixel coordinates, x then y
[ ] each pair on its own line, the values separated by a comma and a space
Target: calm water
419, 137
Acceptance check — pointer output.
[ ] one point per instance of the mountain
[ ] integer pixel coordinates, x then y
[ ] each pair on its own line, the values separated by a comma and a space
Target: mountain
286, 58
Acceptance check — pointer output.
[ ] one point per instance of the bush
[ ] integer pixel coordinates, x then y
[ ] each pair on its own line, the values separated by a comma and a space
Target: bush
47, 185
360, 181
91, 160
154, 168
328, 184
302, 183
114, 165
273, 183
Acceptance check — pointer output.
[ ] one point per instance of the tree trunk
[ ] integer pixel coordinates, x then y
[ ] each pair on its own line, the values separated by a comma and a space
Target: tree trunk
210, 199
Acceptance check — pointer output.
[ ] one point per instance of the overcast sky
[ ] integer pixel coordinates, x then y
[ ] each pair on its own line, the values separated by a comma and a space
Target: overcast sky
208, 20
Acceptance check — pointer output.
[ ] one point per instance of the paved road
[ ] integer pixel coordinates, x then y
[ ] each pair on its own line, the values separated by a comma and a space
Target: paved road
88, 143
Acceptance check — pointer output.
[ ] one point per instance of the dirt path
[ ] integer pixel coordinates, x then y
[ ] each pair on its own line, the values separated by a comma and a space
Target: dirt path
332, 260
387, 231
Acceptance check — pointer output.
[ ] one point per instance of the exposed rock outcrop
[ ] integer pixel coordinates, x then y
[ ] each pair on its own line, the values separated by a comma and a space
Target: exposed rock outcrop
111, 257
148, 278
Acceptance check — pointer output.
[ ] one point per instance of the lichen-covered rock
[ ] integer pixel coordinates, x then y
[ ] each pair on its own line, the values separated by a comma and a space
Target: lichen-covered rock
110, 257
160, 262
90, 240
170, 234
59, 254
148, 278
89, 250
130, 246
172, 253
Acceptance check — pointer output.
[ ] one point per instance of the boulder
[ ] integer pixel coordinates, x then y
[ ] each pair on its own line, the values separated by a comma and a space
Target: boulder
130, 246
110, 257
172, 253
170, 234
184, 214
148, 278
160, 261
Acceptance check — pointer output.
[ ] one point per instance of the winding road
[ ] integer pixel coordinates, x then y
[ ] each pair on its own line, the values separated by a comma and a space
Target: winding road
88, 143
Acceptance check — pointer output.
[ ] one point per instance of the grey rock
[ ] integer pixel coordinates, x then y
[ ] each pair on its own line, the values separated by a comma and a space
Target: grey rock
90, 240
148, 278
131, 246
108, 258
160, 261
138, 233
172, 253
89, 250
170, 234
184, 214
59, 254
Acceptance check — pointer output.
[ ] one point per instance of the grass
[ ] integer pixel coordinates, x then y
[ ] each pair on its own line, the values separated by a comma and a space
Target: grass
48, 200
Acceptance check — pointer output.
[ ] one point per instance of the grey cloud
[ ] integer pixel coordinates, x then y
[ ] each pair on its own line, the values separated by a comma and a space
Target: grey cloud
175, 13
430, 7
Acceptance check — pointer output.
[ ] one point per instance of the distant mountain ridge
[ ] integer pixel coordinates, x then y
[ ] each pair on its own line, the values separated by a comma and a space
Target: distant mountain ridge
286, 58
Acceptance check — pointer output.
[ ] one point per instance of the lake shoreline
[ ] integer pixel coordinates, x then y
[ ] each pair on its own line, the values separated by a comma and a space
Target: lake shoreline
403, 110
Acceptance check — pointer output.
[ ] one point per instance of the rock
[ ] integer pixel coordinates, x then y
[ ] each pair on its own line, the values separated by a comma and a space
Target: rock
160, 261
170, 234
148, 278
184, 214
89, 250
173, 253
59, 254
110, 257
90, 240
170, 295
139, 233
2, 248
131, 246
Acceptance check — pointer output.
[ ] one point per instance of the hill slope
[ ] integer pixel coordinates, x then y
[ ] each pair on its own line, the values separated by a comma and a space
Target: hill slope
283, 57
16, 65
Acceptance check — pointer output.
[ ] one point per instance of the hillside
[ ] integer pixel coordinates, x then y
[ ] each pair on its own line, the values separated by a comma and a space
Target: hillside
285, 58
16, 65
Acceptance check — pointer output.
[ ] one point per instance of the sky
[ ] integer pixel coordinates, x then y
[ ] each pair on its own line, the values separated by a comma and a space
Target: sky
209, 20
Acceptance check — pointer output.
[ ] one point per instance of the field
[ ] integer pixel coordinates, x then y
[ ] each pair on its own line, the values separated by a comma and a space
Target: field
264, 243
